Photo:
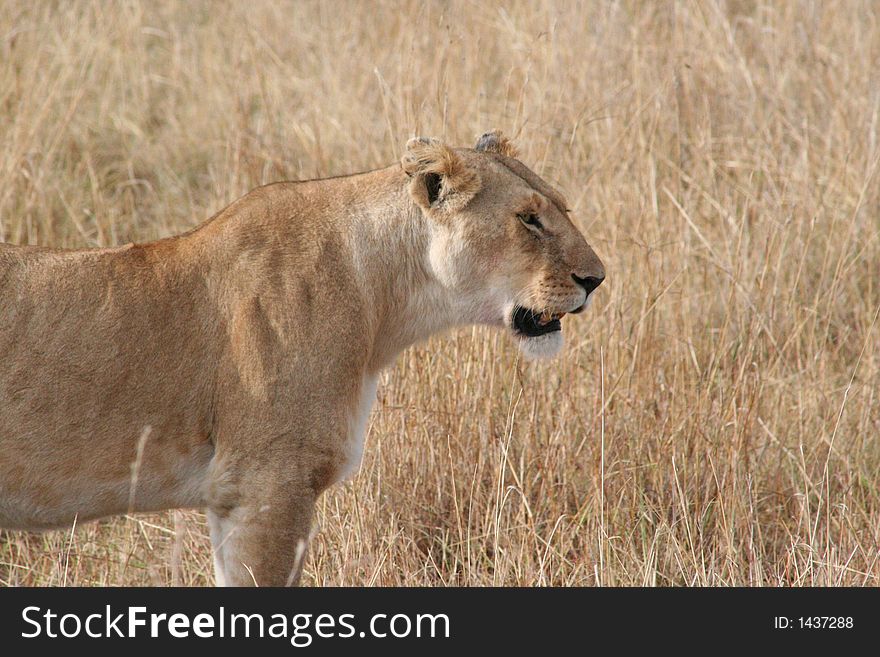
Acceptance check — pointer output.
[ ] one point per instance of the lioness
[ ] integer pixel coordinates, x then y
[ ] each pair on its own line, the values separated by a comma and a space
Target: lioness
233, 367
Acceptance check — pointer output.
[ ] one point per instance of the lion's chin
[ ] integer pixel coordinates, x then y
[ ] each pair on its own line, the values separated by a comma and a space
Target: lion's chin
542, 346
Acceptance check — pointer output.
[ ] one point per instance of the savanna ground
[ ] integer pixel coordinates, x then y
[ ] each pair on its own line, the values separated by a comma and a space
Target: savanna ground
715, 417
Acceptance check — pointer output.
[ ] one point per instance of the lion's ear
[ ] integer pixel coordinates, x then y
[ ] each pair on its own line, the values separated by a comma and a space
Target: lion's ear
495, 142
440, 177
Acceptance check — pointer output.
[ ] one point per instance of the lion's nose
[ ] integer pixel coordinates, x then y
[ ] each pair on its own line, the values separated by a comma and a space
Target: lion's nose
589, 283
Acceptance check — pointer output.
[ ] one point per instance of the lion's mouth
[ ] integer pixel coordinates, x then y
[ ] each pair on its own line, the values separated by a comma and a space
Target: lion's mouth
531, 323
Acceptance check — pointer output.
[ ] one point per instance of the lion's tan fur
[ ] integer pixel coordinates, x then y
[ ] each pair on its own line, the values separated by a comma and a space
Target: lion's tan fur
233, 367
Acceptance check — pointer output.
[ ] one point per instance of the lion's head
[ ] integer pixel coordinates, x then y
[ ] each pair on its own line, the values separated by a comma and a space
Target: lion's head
501, 240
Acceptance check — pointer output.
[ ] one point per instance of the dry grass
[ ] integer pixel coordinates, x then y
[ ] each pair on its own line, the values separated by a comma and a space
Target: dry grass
716, 415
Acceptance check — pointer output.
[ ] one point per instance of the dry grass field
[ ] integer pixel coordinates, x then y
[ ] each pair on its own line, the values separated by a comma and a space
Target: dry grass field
715, 416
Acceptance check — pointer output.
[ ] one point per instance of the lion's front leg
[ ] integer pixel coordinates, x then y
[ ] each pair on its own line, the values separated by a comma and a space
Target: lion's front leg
263, 484
264, 540
216, 527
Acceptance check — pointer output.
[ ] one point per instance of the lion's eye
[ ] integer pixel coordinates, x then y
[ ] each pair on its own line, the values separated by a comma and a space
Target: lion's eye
530, 219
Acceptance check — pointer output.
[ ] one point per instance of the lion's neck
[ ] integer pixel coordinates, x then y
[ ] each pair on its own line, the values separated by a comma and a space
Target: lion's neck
404, 302
366, 234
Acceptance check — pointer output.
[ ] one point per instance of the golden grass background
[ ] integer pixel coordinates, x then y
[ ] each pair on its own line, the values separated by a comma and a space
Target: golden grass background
715, 417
